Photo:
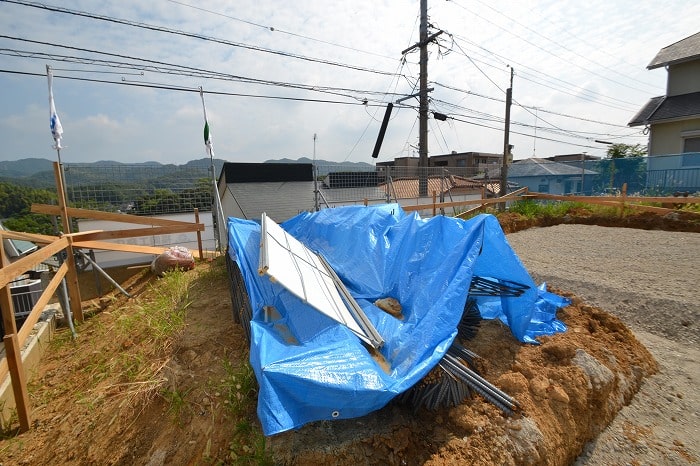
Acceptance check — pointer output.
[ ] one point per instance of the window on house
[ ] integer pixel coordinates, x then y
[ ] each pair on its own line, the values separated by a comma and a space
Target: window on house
543, 188
691, 144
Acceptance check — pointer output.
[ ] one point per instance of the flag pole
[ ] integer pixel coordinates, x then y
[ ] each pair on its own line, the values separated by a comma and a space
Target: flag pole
57, 133
216, 207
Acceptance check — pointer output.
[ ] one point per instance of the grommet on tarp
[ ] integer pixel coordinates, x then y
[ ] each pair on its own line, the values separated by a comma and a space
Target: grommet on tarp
335, 414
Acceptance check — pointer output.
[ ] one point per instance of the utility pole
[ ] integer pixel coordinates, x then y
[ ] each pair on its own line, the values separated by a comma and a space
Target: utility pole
534, 140
506, 145
423, 42
423, 103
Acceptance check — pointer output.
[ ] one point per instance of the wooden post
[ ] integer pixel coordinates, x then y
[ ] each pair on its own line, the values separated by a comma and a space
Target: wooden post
624, 198
365, 201
19, 382
199, 234
434, 203
72, 274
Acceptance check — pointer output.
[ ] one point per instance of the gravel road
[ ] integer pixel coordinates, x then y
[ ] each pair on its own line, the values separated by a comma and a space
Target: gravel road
651, 280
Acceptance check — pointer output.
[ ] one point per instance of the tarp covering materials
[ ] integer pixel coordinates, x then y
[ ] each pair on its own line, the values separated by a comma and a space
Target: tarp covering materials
309, 367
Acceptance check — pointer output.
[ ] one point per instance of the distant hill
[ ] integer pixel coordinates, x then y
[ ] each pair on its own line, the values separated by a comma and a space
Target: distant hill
327, 163
27, 168
38, 173
24, 167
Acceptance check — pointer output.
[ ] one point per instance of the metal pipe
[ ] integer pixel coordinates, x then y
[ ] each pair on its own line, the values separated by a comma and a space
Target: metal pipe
104, 274
66, 308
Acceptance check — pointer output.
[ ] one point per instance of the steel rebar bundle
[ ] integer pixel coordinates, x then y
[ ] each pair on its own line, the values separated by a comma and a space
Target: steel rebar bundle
481, 286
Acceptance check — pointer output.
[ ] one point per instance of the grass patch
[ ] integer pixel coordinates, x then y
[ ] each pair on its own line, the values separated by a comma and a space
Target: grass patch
176, 400
531, 208
248, 444
123, 352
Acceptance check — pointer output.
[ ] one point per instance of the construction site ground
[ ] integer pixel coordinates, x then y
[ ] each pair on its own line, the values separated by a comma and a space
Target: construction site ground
619, 387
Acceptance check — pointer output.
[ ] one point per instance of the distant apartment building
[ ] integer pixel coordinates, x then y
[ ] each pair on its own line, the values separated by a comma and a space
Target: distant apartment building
462, 163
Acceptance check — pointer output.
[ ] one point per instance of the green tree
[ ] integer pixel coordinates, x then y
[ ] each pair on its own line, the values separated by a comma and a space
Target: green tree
621, 151
625, 164
15, 208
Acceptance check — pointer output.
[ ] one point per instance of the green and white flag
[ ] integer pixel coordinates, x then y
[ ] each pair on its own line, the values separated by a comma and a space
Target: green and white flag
207, 133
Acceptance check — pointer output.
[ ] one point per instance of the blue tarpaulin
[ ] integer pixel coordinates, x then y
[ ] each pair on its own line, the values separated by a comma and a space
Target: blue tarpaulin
311, 368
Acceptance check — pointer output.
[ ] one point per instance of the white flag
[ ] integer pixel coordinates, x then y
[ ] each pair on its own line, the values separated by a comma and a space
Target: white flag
54, 122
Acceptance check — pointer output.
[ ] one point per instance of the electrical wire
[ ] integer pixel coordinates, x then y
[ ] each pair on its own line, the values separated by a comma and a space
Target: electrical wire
508, 31
559, 44
163, 29
532, 75
496, 99
168, 68
281, 31
525, 134
186, 89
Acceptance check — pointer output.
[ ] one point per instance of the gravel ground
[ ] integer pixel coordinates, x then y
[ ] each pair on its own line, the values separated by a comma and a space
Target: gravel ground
650, 279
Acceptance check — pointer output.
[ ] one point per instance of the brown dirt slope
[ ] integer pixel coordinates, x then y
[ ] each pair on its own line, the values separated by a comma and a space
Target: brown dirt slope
87, 408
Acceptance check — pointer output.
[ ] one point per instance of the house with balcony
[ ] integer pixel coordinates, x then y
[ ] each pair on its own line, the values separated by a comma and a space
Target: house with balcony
673, 119
546, 176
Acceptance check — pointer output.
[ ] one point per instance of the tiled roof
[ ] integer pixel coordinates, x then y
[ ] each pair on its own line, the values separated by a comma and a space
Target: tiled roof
684, 50
643, 115
543, 167
407, 188
668, 108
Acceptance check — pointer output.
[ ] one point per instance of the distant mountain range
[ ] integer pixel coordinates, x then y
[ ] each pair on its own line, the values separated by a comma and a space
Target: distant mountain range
36, 172
24, 167
31, 166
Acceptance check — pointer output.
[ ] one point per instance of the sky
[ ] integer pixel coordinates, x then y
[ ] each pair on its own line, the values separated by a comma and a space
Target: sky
313, 78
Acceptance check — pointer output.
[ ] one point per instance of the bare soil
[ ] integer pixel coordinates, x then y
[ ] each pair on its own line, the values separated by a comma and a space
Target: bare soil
619, 387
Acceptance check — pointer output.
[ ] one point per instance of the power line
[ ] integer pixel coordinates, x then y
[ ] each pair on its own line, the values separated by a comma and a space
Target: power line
602, 76
373, 116
550, 124
558, 44
600, 49
163, 29
496, 99
555, 130
525, 134
169, 68
522, 73
185, 89
281, 31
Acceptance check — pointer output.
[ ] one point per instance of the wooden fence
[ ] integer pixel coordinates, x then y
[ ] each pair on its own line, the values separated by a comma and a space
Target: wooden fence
622, 201
67, 243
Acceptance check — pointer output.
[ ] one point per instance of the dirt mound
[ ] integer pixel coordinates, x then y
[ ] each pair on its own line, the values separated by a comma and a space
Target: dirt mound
569, 387
674, 221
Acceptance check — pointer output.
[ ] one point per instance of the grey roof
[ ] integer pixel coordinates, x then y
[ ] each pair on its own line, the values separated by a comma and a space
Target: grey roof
643, 115
15, 248
544, 167
668, 108
684, 50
